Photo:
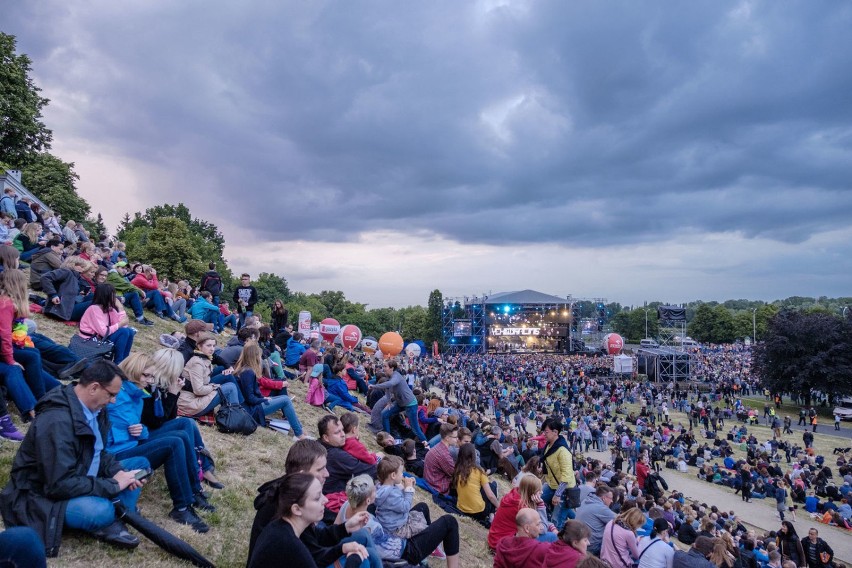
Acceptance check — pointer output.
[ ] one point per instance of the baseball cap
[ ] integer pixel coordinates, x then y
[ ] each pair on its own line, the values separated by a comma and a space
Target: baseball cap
317, 370
197, 326
120, 263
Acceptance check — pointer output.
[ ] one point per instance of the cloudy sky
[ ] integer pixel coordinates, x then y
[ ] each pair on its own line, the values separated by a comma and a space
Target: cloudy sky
628, 150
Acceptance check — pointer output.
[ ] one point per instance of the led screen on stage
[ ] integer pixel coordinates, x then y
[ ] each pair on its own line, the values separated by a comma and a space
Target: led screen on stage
461, 329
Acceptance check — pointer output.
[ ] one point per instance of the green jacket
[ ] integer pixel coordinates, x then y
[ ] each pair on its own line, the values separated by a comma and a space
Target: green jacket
122, 286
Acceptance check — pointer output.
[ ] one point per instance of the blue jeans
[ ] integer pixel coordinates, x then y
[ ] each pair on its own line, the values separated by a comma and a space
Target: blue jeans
79, 309
229, 319
283, 403
132, 299
363, 538
53, 355
188, 427
410, 412
243, 315
231, 393
221, 379
123, 340
38, 381
13, 378
92, 513
158, 303
170, 452
560, 512
20, 547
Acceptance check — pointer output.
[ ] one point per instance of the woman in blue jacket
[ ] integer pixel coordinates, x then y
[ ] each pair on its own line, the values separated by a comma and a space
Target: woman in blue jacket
128, 437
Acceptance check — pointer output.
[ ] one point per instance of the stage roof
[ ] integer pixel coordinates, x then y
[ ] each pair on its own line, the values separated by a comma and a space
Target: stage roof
524, 297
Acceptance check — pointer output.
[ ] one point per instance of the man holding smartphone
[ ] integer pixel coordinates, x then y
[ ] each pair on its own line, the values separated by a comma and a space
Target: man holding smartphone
62, 476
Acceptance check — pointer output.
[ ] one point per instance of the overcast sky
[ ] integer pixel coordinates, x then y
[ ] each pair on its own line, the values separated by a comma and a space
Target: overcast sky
628, 150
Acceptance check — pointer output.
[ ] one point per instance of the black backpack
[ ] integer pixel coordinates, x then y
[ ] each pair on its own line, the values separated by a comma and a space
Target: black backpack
213, 284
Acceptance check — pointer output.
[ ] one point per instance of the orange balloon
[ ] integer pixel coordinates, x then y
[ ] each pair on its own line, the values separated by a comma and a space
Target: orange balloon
390, 344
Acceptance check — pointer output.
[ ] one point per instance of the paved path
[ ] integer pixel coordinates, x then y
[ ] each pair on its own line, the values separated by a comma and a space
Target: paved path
759, 513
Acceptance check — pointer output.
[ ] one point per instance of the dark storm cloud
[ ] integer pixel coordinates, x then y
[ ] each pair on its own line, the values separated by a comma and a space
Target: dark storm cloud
600, 124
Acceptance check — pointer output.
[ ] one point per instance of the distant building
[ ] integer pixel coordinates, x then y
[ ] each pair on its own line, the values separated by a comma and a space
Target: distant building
12, 178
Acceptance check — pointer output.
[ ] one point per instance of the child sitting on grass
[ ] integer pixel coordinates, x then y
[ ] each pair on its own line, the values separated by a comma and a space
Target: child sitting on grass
353, 444
393, 500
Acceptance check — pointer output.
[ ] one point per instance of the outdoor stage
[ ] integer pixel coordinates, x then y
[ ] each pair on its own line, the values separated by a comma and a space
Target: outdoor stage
513, 322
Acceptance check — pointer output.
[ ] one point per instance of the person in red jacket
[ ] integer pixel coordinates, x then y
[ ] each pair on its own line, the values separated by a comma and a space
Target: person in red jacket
642, 471
146, 280
522, 550
353, 444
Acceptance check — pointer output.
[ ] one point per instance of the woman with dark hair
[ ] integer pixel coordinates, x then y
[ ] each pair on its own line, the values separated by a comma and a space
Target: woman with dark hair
476, 496
280, 315
300, 505
790, 545
655, 551
570, 548
106, 319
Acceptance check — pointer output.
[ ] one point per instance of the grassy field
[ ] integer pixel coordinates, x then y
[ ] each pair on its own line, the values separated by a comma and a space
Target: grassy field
241, 463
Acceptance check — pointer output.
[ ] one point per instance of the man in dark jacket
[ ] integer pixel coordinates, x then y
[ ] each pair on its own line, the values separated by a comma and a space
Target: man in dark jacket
212, 282
697, 556
48, 258
342, 466
817, 552
62, 476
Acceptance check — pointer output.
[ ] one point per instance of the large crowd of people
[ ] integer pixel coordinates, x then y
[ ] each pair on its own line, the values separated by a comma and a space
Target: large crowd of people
103, 415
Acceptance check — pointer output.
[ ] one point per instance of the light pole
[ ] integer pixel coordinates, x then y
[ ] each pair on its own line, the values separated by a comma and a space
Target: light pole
754, 326
646, 320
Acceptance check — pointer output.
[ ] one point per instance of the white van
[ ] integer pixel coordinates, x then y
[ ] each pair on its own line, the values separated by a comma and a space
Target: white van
689, 343
648, 343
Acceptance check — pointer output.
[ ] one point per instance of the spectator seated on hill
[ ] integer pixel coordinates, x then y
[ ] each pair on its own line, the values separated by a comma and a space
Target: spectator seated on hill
202, 309
105, 319
145, 278
126, 293
47, 258
228, 356
341, 464
338, 395
228, 318
28, 241
200, 395
353, 443
389, 445
62, 477
130, 438
248, 373
413, 462
68, 293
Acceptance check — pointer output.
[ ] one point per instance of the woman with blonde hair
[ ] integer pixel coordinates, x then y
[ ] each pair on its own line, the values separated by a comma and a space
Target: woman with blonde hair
619, 545
530, 490
128, 438
27, 241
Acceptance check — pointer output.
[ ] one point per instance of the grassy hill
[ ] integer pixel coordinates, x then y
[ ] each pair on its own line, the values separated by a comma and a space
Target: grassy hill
241, 463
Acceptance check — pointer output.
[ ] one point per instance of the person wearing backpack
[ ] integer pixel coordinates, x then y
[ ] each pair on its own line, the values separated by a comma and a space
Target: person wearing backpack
212, 282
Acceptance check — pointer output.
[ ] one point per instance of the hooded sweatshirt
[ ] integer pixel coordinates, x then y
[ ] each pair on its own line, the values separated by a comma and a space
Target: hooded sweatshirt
504, 519
520, 552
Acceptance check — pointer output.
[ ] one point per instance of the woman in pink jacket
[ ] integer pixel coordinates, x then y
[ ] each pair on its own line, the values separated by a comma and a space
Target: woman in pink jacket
618, 546
105, 319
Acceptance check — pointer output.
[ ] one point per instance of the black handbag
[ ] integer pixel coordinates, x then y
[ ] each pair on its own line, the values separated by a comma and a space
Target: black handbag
572, 497
234, 419
92, 347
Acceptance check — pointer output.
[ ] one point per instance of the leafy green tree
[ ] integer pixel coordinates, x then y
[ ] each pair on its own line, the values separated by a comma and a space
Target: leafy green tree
630, 324
55, 182
22, 132
803, 352
169, 250
434, 324
99, 227
205, 240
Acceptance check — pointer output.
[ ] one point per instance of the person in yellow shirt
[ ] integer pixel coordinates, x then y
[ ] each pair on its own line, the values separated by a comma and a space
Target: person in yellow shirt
476, 497
559, 472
